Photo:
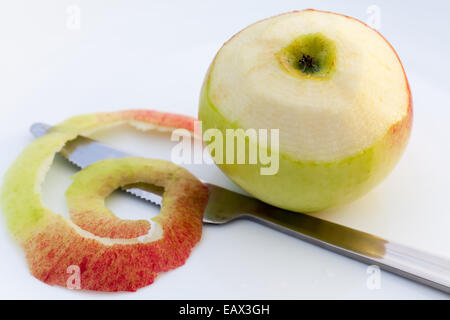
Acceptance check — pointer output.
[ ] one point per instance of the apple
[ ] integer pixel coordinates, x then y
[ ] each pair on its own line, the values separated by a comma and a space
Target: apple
335, 89
105, 252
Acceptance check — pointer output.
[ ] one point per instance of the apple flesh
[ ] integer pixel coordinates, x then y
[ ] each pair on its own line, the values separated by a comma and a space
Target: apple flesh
335, 89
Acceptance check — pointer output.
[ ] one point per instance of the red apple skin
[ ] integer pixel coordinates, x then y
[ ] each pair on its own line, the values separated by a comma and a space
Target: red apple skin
122, 267
52, 244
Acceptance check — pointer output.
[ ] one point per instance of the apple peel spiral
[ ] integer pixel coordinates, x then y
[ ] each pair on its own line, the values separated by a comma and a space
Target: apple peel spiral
112, 254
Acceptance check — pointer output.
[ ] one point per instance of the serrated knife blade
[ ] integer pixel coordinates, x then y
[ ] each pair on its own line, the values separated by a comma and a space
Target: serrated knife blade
84, 151
225, 205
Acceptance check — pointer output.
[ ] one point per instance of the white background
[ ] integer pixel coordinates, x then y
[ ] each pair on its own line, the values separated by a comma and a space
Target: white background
149, 54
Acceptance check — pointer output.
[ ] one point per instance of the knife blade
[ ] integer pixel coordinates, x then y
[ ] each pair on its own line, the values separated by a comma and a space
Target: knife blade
225, 206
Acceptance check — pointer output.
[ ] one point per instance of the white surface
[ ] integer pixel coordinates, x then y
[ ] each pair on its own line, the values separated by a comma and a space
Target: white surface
154, 55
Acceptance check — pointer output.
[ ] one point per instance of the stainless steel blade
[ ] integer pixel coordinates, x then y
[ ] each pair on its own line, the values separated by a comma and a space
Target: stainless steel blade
225, 205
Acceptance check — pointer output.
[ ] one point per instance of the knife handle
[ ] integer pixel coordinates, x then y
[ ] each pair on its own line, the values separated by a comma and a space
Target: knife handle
417, 265
225, 206
410, 263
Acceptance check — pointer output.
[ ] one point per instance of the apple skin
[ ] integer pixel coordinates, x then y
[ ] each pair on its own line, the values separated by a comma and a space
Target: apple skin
114, 259
311, 186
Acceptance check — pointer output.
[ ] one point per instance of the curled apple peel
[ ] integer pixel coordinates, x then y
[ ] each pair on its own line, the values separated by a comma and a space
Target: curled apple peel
111, 254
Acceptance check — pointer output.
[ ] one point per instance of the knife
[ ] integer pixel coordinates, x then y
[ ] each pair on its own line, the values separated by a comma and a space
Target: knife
225, 206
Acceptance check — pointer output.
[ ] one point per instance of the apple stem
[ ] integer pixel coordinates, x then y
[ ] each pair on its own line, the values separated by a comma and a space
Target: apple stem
308, 64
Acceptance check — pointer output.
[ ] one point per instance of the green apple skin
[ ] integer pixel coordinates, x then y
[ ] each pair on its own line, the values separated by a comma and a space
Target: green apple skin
311, 186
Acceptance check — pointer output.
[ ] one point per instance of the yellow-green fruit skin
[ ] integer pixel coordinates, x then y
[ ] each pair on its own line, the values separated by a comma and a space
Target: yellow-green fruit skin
311, 186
